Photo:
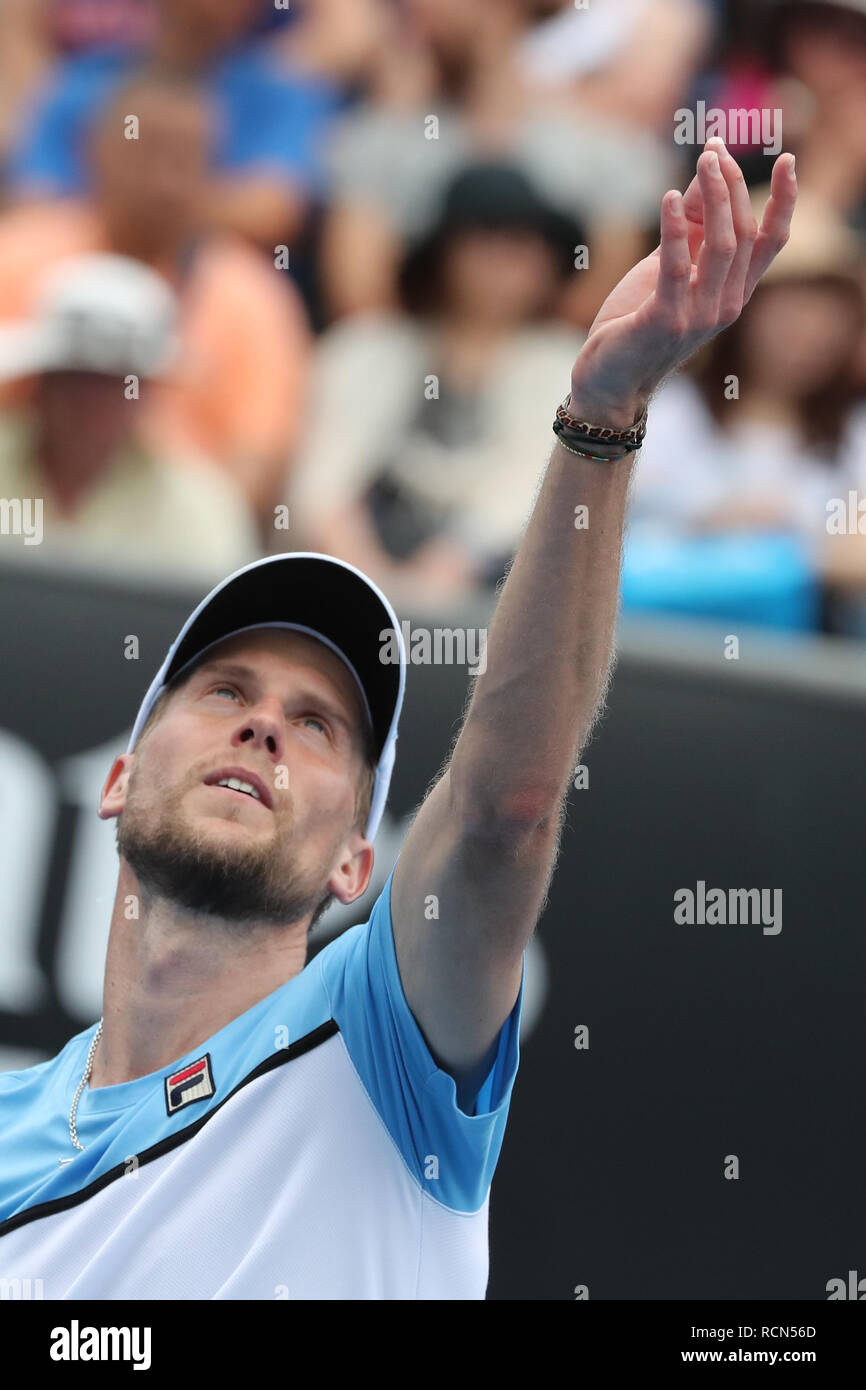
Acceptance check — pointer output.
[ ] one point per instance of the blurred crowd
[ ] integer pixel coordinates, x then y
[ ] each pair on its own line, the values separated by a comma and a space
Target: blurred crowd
312, 276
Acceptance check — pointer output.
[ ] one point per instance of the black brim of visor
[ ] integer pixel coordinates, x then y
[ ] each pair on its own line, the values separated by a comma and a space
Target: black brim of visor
318, 594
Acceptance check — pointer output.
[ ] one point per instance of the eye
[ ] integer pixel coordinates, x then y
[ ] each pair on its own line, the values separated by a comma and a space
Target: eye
225, 690
314, 719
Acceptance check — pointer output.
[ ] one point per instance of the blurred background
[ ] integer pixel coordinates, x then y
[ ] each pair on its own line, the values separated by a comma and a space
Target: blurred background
313, 277
387, 226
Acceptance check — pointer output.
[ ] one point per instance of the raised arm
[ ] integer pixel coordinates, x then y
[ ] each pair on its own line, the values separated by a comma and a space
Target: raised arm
486, 837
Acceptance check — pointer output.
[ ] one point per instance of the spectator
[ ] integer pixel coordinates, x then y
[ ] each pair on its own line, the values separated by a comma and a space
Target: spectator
738, 77
23, 60
79, 26
103, 330
236, 393
819, 49
768, 425
56, 27
34, 33
627, 62
427, 426
266, 134
338, 40
451, 87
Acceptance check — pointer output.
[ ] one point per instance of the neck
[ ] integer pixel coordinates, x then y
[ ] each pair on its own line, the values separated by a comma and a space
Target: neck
467, 346
156, 246
468, 324
182, 48
768, 407
172, 980
70, 471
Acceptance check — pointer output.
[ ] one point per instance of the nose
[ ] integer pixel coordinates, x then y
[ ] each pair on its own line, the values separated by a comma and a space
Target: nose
262, 727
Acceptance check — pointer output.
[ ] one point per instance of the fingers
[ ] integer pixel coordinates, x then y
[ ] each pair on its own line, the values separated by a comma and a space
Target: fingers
675, 263
745, 230
693, 202
775, 225
715, 218
719, 248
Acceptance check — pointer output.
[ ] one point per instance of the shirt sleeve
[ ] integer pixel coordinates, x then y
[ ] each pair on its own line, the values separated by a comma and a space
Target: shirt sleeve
274, 123
452, 1154
50, 155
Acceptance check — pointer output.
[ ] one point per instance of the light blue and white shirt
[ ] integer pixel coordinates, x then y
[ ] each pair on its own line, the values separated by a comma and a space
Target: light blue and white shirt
310, 1149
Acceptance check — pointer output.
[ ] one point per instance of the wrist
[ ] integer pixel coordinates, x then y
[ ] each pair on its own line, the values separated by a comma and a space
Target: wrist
598, 435
615, 412
606, 452
603, 402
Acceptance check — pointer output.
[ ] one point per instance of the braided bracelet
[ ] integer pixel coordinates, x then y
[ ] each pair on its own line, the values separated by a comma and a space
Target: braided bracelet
577, 432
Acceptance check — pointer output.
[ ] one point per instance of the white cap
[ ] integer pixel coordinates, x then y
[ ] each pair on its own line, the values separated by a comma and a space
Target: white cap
326, 598
99, 313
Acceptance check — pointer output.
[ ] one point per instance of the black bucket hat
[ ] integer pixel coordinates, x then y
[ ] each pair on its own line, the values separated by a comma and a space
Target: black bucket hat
487, 196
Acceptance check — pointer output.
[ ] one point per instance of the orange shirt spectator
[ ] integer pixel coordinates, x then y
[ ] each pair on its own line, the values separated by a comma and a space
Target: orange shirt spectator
236, 395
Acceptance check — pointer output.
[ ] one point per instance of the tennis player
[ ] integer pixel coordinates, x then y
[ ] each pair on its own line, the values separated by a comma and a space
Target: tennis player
243, 1125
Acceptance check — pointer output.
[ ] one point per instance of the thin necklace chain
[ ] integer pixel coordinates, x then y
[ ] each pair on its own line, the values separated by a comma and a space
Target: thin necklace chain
73, 1133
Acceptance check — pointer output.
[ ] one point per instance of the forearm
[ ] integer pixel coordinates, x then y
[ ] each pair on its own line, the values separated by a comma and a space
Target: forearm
549, 648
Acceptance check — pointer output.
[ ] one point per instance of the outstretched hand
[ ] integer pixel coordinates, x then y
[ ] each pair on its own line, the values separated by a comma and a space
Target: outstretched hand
711, 256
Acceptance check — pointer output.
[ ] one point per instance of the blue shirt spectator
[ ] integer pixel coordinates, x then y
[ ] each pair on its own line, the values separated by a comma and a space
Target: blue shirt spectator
269, 121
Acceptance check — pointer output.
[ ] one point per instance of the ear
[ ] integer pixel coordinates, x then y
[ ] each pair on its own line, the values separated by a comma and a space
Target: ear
113, 798
350, 880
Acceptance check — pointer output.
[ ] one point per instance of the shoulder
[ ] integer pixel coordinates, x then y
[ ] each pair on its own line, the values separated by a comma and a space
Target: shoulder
547, 345
16, 438
372, 131
251, 70
34, 236
416, 1099
231, 271
374, 340
533, 373
83, 76
192, 480
189, 507
32, 1080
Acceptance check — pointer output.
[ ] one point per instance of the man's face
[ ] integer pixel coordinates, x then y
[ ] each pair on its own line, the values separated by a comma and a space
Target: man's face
86, 413
157, 181
498, 276
279, 712
824, 46
214, 23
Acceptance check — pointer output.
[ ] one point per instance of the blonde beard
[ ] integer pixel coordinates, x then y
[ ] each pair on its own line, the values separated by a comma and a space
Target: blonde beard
235, 884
